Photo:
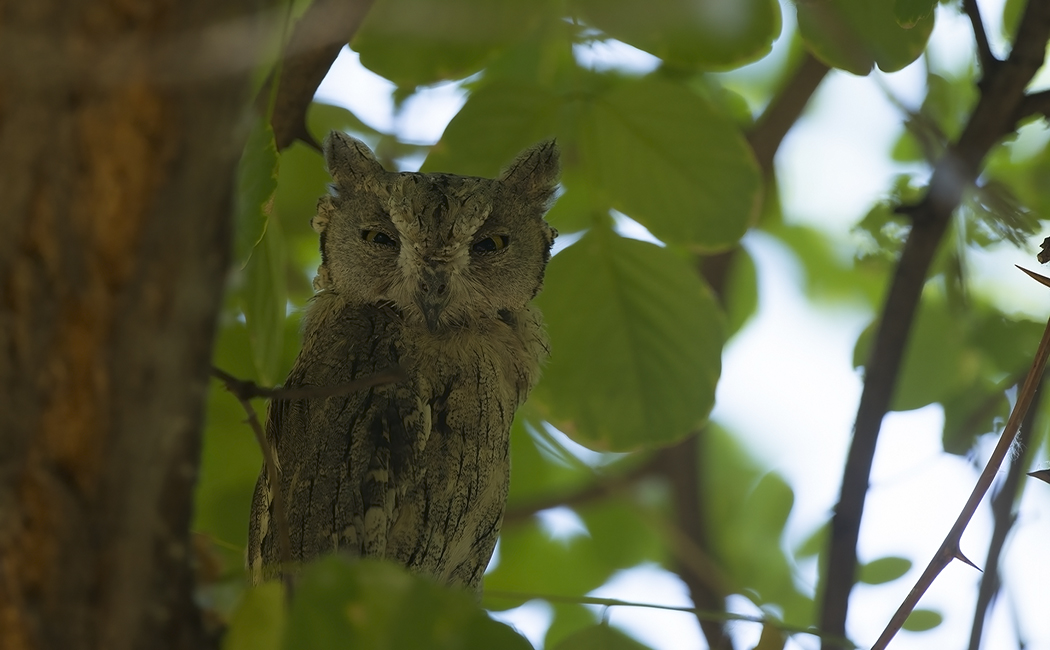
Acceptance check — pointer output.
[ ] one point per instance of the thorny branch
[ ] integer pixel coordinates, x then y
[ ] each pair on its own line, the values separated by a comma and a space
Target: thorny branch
245, 391
949, 549
1003, 517
1002, 94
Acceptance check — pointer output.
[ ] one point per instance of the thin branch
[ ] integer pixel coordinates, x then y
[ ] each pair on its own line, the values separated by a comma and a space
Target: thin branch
992, 117
1003, 517
244, 389
949, 549
1033, 104
241, 390
319, 35
707, 615
984, 52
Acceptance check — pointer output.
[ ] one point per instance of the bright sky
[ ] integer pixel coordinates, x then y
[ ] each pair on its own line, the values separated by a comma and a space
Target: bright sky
788, 385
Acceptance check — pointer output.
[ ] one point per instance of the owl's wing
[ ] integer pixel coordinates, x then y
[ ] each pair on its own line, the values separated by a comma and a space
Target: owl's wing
345, 460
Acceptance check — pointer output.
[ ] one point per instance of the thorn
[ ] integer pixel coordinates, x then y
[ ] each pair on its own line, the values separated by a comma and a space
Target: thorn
1041, 474
1041, 279
965, 560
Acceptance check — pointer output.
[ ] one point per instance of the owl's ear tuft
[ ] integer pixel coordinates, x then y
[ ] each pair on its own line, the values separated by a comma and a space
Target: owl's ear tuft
535, 171
349, 160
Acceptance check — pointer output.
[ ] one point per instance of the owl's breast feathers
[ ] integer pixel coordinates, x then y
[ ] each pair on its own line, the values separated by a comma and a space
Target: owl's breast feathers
415, 471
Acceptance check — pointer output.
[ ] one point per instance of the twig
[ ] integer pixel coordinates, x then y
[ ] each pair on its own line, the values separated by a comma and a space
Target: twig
992, 117
242, 391
1004, 517
707, 615
1033, 104
949, 549
984, 51
249, 390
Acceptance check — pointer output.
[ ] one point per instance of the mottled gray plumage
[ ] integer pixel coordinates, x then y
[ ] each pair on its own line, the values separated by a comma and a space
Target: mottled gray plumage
433, 273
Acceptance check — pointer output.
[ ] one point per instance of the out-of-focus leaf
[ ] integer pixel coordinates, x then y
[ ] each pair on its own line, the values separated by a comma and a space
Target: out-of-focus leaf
636, 341
857, 34
741, 291
830, 275
420, 42
772, 639
922, 620
685, 33
949, 103
599, 637
910, 12
746, 512
883, 570
265, 300
646, 147
259, 622
937, 361
353, 603
540, 474
973, 412
1012, 10
256, 183
568, 619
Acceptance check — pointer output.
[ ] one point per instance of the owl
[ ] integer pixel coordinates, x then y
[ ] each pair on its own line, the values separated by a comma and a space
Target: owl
434, 274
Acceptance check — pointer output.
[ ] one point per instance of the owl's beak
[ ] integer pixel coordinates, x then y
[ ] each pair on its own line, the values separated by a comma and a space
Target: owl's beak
433, 296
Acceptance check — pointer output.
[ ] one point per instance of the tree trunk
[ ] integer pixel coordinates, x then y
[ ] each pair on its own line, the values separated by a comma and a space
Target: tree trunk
119, 138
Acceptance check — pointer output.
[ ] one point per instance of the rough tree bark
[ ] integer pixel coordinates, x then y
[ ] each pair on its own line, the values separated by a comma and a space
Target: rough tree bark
119, 127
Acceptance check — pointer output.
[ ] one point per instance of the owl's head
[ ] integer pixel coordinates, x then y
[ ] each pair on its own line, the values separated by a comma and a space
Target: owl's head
445, 250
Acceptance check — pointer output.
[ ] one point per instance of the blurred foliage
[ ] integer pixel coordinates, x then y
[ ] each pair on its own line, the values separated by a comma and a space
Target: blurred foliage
636, 332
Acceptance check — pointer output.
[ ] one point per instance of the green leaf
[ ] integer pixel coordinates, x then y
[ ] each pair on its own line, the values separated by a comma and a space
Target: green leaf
568, 619
256, 184
647, 147
665, 157
883, 570
264, 301
419, 42
746, 509
921, 620
352, 603
857, 34
259, 622
910, 12
970, 413
636, 341
741, 291
690, 33
937, 361
599, 637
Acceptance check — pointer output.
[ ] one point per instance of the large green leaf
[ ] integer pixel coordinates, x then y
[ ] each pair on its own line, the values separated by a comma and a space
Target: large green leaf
419, 42
256, 183
664, 156
351, 603
265, 302
690, 33
857, 34
647, 147
636, 343
599, 637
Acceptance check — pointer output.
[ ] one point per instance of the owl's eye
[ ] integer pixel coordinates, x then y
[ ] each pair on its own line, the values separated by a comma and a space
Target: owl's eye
378, 237
491, 244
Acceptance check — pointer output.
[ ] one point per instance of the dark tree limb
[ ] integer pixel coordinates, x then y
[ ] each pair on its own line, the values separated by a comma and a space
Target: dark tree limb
315, 43
680, 463
1002, 93
1003, 517
984, 51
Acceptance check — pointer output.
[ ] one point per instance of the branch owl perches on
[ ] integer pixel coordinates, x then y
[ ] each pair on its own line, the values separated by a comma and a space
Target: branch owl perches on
433, 273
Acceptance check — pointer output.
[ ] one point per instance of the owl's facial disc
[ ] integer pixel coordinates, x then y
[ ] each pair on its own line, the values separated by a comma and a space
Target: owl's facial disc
433, 295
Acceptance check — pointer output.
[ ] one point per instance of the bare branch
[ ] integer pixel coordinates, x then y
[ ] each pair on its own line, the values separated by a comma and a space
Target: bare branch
984, 52
949, 549
1033, 104
1004, 517
315, 43
992, 117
